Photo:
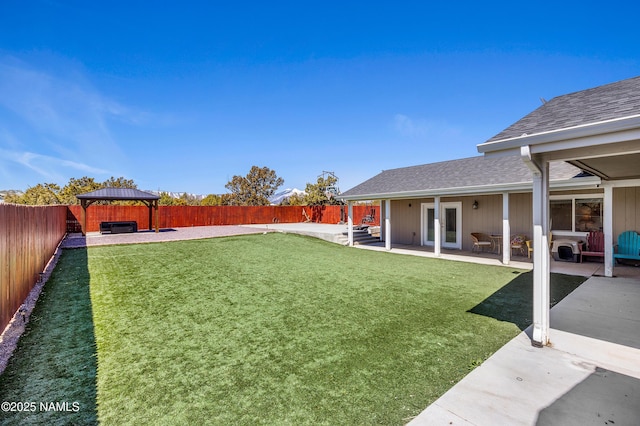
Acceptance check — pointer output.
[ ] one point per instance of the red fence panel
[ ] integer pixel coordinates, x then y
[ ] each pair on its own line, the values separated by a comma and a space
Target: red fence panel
28, 238
186, 216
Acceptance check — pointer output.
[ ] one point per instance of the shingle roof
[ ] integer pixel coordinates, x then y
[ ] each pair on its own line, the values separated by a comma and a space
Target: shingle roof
473, 172
118, 194
607, 102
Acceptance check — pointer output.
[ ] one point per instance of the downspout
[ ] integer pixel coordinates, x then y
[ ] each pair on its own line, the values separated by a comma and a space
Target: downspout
525, 154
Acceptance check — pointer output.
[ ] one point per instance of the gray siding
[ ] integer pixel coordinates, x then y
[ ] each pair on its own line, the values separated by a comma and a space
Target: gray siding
626, 210
406, 220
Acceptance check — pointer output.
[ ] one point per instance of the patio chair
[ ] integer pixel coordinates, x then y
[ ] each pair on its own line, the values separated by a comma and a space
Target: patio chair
595, 245
529, 248
370, 218
628, 246
518, 243
480, 241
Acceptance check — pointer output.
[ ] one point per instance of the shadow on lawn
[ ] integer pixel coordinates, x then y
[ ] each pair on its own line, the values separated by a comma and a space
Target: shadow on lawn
55, 364
514, 301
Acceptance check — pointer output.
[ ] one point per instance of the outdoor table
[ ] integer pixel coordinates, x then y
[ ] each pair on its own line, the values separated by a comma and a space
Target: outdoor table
496, 242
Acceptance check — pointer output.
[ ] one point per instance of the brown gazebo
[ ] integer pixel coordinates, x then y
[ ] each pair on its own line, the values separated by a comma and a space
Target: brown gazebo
119, 194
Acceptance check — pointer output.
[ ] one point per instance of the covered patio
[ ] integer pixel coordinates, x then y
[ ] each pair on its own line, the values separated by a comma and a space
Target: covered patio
576, 150
584, 269
598, 131
442, 205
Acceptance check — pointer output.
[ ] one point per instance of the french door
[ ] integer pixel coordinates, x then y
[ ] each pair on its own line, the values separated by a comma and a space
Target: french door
450, 224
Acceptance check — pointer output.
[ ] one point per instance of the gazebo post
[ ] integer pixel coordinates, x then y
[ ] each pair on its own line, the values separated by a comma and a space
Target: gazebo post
155, 205
83, 217
150, 215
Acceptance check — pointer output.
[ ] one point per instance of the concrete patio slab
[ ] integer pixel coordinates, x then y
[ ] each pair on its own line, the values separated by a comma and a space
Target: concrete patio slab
324, 231
332, 233
509, 388
608, 309
572, 381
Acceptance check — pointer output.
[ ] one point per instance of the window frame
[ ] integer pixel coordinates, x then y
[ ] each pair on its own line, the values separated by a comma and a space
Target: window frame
573, 198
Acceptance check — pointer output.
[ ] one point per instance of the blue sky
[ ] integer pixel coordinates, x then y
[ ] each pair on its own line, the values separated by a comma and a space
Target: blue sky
182, 96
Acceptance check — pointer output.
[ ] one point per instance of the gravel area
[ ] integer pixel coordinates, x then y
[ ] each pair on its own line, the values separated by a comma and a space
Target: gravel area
13, 331
167, 234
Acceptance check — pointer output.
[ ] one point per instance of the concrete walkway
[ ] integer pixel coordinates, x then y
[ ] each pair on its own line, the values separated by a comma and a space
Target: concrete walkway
332, 233
580, 379
324, 231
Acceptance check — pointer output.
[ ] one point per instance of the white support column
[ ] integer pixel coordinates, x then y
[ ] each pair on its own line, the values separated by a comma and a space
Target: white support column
541, 256
382, 204
506, 230
608, 230
387, 224
437, 240
350, 222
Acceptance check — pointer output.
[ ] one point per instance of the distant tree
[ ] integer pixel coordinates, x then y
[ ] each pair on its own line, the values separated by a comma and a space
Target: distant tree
318, 194
189, 200
255, 189
78, 186
7, 194
293, 200
50, 193
226, 200
41, 194
13, 197
179, 201
120, 182
211, 200
166, 199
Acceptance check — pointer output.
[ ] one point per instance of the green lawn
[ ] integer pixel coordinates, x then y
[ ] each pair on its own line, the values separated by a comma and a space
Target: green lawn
259, 329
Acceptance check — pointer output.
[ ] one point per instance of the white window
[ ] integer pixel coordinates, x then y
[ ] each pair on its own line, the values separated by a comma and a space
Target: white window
576, 214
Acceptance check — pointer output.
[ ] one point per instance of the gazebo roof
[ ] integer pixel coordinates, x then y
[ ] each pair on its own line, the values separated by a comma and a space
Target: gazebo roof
118, 194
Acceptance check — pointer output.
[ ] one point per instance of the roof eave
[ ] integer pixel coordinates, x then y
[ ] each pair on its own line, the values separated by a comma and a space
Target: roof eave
572, 183
577, 134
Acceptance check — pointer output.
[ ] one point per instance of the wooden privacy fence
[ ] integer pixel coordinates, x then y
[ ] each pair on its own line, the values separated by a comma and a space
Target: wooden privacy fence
185, 216
28, 238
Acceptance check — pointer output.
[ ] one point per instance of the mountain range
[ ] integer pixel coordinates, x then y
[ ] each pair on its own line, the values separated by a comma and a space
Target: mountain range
278, 197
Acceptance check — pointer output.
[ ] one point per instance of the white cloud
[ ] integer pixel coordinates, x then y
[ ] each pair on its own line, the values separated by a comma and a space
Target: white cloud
45, 166
56, 123
407, 126
431, 130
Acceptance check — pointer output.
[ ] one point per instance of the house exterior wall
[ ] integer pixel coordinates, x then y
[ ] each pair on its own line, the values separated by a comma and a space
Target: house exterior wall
406, 217
521, 214
405, 221
626, 210
487, 218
